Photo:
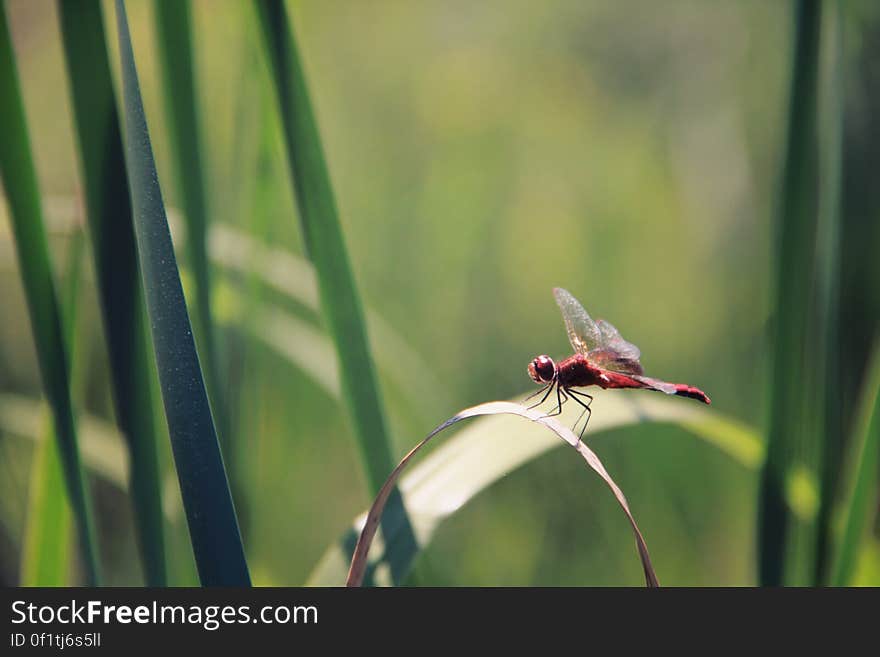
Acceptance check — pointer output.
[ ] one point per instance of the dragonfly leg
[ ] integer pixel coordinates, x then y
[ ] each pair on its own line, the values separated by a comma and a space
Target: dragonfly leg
546, 390
574, 426
561, 398
576, 396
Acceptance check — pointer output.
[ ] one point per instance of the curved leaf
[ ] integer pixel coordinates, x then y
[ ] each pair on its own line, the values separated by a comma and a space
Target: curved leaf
492, 447
294, 277
204, 488
371, 524
102, 445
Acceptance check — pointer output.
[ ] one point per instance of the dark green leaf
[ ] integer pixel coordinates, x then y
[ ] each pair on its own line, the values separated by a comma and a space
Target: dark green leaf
203, 485
173, 29
115, 260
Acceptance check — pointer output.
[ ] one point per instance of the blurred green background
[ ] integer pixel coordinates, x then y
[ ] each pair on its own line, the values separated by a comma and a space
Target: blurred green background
481, 154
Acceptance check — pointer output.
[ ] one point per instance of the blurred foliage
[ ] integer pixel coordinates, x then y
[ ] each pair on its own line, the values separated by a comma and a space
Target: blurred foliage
482, 153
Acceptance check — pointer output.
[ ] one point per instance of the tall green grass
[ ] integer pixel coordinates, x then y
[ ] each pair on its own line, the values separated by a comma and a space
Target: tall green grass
322, 233
325, 246
801, 509
807, 531
827, 369
23, 196
787, 540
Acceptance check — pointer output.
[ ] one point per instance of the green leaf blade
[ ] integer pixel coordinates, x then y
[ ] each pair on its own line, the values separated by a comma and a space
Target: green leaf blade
785, 543
863, 484
116, 264
340, 302
46, 544
173, 28
204, 487
22, 194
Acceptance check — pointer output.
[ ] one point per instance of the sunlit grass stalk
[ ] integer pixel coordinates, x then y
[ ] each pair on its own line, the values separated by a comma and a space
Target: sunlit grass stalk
45, 546
863, 477
213, 526
22, 194
792, 460
116, 266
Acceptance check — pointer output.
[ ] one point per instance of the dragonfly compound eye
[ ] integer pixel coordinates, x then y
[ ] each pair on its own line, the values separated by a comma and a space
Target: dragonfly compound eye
542, 369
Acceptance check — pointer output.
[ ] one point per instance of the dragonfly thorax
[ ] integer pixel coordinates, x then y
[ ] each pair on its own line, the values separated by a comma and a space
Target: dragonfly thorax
542, 369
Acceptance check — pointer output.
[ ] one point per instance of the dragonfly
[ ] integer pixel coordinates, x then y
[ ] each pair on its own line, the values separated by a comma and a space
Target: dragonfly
601, 358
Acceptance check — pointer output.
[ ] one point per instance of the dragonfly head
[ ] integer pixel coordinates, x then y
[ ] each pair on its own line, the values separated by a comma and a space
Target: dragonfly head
542, 369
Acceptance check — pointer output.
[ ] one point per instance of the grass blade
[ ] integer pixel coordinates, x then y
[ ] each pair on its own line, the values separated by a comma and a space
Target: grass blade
322, 233
20, 184
793, 423
173, 29
359, 559
828, 398
492, 447
863, 485
203, 485
115, 261
45, 548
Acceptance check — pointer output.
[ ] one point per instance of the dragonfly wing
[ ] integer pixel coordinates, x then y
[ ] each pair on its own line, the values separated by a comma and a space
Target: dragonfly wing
582, 331
611, 340
614, 353
657, 384
611, 360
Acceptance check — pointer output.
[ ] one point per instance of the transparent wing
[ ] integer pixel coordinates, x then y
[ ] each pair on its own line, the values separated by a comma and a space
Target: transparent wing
614, 353
611, 340
657, 384
582, 331
611, 360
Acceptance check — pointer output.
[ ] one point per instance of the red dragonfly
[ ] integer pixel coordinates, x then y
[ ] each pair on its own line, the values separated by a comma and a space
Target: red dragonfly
601, 358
